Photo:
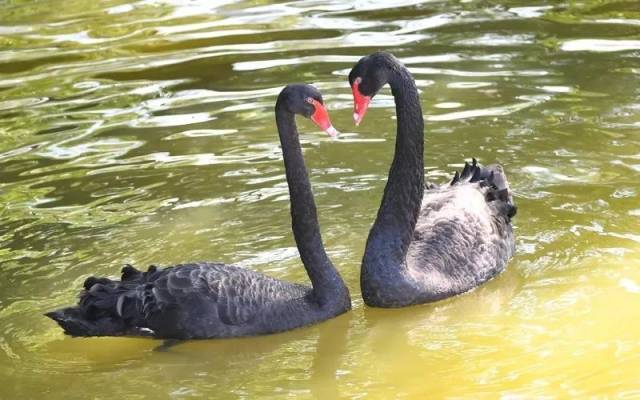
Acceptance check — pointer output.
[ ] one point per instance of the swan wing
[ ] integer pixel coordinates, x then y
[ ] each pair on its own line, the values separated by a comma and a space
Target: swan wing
202, 290
463, 236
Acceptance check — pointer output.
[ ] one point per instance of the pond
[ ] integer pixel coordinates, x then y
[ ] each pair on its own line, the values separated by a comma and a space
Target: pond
143, 132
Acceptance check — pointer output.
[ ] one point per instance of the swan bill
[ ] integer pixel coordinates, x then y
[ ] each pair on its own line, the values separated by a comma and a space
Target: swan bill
320, 117
360, 103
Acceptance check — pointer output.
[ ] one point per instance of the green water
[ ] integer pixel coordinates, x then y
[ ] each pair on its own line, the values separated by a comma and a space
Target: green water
143, 132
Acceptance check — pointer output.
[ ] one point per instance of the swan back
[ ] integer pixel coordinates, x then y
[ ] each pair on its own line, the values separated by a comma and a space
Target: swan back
463, 238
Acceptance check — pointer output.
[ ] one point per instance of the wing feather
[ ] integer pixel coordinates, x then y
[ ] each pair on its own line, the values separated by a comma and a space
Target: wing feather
236, 294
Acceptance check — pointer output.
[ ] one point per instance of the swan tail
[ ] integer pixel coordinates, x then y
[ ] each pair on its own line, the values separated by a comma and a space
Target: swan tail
108, 307
495, 180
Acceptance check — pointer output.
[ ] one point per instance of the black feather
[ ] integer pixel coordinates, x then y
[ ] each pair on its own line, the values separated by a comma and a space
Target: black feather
491, 177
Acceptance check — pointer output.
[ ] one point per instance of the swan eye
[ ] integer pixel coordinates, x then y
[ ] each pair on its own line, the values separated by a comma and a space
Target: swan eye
309, 100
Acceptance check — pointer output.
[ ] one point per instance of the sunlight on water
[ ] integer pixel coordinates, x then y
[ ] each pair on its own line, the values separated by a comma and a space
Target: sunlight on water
143, 132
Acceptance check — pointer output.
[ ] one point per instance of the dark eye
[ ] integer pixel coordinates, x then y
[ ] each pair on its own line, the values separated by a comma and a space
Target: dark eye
309, 100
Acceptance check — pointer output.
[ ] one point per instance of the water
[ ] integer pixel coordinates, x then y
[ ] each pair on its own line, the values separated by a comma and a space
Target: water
143, 132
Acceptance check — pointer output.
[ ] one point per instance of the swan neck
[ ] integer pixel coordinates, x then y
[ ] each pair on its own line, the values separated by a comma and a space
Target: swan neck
325, 279
401, 203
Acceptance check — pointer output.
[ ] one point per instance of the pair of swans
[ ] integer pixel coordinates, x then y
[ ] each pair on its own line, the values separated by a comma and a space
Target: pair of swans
427, 242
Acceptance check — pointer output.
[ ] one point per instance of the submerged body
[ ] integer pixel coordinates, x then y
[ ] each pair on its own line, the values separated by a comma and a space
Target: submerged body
214, 300
428, 244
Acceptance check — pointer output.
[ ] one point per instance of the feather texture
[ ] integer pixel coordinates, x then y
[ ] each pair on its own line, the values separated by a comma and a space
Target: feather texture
429, 242
214, 300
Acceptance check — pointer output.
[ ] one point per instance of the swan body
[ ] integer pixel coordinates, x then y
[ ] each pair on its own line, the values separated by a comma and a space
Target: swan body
214, 300
460, 241
198, 300
428, 242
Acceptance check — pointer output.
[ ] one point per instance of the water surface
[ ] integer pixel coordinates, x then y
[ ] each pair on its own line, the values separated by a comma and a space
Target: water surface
143, 132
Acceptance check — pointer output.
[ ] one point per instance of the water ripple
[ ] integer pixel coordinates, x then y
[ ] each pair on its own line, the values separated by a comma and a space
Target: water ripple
142, 132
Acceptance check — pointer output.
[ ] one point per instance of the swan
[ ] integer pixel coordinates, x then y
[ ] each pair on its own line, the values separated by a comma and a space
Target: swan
428, 242
214, 300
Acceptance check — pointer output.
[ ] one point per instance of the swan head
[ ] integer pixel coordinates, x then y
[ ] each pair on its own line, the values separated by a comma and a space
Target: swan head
306, 100
366, 79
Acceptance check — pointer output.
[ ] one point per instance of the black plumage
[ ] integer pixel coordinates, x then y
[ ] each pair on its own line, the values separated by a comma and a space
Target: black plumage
214, 300
429, 242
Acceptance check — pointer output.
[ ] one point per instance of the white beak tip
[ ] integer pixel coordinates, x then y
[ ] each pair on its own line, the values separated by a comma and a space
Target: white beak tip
331, 131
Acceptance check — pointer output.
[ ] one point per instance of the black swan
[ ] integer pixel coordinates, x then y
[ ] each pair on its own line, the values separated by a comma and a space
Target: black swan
428, 242
213, 300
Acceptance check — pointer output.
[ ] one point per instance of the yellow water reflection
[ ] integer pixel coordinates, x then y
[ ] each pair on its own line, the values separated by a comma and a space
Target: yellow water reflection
142, 132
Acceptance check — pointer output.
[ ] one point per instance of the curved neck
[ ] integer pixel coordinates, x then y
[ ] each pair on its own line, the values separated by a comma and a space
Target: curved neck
393, 229
324, 277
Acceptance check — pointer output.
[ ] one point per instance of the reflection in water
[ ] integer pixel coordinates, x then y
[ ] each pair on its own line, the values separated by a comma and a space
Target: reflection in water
332, 345
142, 132
433, 337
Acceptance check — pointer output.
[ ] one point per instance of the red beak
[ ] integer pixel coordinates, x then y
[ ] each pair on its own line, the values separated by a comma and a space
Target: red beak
360, 102
321, 118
